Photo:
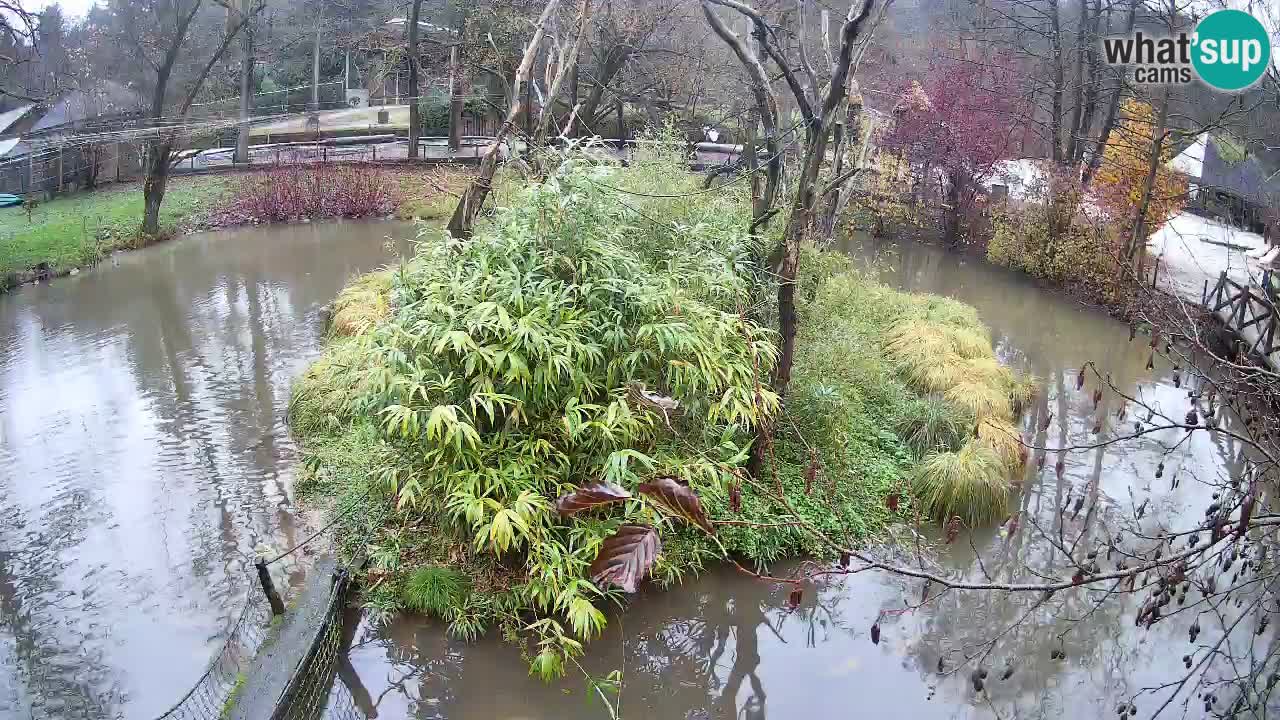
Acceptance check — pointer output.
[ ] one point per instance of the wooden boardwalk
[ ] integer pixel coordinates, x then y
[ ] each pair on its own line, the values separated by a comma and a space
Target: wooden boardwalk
1249, 312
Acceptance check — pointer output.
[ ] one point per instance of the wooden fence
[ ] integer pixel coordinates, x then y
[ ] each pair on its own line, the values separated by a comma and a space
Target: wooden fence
1249, 311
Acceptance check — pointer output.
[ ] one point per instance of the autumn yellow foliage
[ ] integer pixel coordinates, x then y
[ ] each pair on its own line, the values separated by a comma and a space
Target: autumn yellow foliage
1126, 160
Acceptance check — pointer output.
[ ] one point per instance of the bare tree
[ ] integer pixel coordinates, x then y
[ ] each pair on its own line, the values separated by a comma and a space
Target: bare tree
164, 35
462, 222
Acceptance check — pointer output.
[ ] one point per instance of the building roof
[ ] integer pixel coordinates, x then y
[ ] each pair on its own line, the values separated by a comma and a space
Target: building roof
7, 119
104, 98
1255, 178
1190, 161
7, 145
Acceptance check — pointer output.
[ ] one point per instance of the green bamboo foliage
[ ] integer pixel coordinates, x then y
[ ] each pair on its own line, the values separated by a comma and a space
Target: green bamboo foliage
508, 369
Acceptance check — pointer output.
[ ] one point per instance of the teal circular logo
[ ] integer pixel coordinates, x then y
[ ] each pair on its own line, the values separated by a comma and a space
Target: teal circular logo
1232, 50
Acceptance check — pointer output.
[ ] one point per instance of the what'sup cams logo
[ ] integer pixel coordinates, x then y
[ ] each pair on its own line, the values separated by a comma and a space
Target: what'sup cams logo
1228, 51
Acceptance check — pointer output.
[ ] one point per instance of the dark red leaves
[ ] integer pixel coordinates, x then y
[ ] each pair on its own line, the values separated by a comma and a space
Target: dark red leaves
589, 496
626, 557
1080, 379
678, 498
1060, 466
1078, 577
1097, 398
844, 559
875, 632
735, 497
1044, 425
892, 502
794, 598
811, 472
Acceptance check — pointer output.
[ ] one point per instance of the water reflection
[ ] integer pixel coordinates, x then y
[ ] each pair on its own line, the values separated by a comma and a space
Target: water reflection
726, 646
143, 455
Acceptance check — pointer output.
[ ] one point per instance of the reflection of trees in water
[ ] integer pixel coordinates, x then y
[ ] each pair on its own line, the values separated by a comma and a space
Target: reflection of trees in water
208, 341
707, 647
56, 675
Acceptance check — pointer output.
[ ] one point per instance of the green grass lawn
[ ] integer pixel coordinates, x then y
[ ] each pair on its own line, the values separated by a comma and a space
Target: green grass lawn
76, 230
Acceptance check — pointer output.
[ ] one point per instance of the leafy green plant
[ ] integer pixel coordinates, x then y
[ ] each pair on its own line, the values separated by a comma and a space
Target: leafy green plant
563, 406
548, 353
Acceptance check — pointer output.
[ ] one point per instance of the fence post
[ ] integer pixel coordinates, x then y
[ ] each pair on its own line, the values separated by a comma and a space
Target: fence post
269, 588
59, 168
31, 171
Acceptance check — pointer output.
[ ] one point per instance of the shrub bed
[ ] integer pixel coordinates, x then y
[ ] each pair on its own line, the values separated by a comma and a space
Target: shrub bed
519, 427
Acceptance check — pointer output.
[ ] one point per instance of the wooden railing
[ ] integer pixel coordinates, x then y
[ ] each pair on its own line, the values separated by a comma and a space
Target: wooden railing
1247, 310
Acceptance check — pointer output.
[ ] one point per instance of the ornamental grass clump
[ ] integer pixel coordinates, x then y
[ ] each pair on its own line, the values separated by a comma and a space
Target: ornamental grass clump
948, 356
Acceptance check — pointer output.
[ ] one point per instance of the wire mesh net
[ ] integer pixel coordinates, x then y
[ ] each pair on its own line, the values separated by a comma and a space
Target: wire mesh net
213, 693
316, 690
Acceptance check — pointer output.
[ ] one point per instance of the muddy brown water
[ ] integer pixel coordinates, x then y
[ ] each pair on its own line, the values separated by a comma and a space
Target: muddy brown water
726, 646
144, 456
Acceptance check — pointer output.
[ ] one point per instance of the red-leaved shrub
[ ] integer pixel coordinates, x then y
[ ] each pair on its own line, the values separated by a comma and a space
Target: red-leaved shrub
292, 193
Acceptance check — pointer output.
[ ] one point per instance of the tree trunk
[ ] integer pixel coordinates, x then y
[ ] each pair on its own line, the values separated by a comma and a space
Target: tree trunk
951, 212
414, 120
615, 59
462, 222
153, 188
567, 65
1113, 109
802, 209
246, 89
315, 63
1055, 119
455, 97
572, 129
1077, 91
1138, 238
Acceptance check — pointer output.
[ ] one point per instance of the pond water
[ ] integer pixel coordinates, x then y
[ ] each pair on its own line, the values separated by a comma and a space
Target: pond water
144, 456
727, 646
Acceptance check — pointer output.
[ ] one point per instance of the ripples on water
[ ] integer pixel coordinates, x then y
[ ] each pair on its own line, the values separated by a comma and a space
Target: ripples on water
724, 646
143, 456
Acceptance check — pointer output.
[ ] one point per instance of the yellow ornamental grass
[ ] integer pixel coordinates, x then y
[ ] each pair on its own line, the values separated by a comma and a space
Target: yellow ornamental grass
980, 398
1002, 439
969, 484
362, 305
952, 358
